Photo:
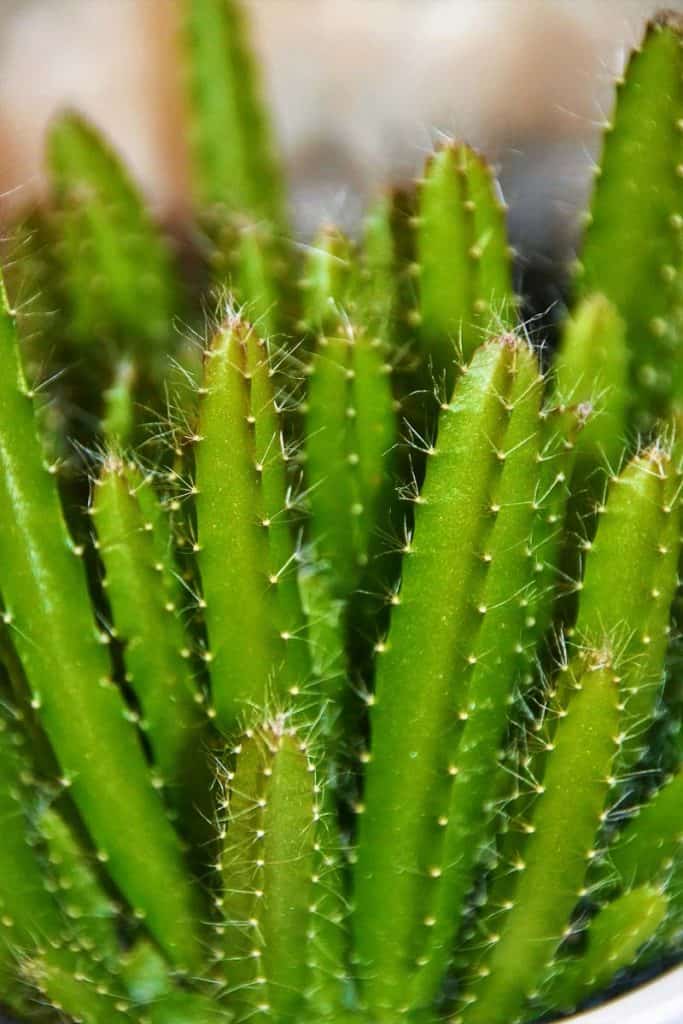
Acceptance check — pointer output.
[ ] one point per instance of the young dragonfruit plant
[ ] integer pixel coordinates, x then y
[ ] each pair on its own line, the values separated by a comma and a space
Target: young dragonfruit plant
339, 662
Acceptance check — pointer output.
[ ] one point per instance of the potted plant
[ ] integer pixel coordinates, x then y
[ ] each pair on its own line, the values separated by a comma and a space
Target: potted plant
340, 674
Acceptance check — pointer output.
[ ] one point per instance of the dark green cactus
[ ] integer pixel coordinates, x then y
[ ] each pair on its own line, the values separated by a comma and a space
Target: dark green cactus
322, 700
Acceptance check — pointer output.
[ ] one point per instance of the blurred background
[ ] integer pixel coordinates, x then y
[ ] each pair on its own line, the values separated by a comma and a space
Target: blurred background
360, 91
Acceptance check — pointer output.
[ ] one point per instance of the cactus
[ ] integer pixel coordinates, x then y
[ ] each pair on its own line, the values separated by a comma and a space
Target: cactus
339, 669
350, 430
643, 137
277, 864
463, 259
460, 603
247, 558
156, 659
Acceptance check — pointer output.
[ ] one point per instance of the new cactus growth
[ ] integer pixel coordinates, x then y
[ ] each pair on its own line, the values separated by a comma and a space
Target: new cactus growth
330, 693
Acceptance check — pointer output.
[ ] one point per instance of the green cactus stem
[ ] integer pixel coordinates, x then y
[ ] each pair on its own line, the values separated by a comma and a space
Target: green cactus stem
67, 667
613, 940
635, 213
276, 885
378, 273
591, 374
562, 425
28, 909
464, 263
234, 160
156, 652
637, 542
116, 269
646, 847
629, 531
79, 995
559, 850
79, 889
255, 278
118, 420
350, 429
466, 564
327, 281
33, 925
591, 369
247, 557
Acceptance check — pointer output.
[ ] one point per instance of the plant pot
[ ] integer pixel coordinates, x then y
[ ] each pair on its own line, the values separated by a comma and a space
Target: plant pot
657, 1002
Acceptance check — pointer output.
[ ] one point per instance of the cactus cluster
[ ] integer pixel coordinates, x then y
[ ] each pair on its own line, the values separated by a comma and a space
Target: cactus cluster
340, 676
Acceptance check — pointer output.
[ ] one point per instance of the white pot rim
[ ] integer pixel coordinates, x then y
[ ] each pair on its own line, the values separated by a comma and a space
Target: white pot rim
657, 1002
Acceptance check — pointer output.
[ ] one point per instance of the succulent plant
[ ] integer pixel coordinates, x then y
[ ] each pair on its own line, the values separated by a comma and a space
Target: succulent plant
340, 672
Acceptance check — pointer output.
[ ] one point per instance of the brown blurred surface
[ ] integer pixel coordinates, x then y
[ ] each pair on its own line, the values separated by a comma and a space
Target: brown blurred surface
360, 91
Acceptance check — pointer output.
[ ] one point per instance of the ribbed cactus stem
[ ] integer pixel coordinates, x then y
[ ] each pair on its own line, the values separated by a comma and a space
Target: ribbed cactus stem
146, 620
642, 154
80, 892
34, 927
463, 259
591, 372
464, 565
559, 850
247, 556
378, 274
275, 882
117, 269
562, 425
67, 667
119, 414
326, 284
77, 994
255, 277
350, 430
29, 912
235, 164
630, 580
647, 846
591, 368
627, 535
